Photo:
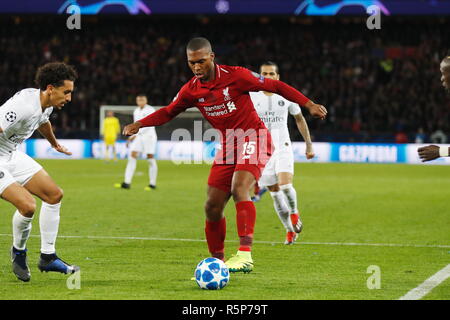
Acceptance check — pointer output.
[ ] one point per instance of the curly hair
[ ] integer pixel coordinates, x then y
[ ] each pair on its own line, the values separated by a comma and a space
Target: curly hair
54, 73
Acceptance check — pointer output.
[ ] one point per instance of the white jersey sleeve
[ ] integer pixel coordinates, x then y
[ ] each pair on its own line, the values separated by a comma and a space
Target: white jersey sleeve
294, 109
45, 116
15, 111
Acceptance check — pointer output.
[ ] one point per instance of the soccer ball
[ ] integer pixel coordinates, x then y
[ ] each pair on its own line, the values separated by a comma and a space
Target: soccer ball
212, 274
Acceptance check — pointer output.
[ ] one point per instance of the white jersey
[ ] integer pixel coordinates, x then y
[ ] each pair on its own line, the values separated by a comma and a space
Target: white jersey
273, 111
138, 114
20, 116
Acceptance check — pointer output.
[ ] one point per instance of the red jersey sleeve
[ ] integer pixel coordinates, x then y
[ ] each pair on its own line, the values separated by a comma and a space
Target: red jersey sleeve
180, 103
252, 81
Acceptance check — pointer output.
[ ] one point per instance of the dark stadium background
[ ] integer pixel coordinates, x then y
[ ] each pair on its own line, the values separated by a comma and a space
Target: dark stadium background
378, 85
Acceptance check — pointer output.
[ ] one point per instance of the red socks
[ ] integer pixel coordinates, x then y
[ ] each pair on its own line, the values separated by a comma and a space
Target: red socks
216, 230
245, 218
215, 236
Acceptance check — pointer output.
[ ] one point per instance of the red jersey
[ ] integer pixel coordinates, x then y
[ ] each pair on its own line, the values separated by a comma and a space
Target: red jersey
225, 101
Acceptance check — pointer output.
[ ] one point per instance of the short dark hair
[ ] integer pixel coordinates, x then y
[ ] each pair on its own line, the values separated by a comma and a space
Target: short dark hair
54, 73
141, 95
198, 43
270, 63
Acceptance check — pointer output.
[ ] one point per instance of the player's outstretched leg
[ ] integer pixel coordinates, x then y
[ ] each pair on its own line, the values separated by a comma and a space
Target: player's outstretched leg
42, 186
283, 213
49, 224
21, 225
129, 171
215, 223
245, 218
291, 196
152, 172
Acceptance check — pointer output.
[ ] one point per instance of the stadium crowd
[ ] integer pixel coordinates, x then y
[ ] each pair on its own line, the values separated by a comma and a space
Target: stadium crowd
378, 85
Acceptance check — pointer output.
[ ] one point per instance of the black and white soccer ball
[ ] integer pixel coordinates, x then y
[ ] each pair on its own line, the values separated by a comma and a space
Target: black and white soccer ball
212, 274
10, 116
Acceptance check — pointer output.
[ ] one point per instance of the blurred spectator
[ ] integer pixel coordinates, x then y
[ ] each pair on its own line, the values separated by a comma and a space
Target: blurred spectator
401, 137
420, 136
369, 81
438, 137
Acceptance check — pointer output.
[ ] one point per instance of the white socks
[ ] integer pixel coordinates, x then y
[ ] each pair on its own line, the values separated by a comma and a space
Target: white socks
21, 230
49, 224
152, 171
131, 168
129, 171
282, 209
291, 196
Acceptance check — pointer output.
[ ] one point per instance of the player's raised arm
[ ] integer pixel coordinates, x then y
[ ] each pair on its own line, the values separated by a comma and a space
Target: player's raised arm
252, 81
162, 116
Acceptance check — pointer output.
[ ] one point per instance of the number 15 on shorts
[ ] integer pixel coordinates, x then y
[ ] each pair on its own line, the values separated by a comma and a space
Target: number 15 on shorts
249, 149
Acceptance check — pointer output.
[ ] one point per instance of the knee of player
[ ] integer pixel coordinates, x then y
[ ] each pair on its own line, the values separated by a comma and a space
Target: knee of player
56, 196
213, 209
239, 188
27, 207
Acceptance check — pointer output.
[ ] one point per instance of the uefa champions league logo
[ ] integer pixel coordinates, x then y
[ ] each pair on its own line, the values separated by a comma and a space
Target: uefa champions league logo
310, 8
132, 6
10, 116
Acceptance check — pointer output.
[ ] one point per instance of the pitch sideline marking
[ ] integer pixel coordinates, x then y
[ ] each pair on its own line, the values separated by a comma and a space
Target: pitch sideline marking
425, 287
262, 242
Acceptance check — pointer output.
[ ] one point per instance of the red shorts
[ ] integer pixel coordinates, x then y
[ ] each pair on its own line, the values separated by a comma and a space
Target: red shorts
247, 157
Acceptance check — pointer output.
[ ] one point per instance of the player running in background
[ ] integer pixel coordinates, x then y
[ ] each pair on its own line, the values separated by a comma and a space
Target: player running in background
110, 131
221, 93
21, 177
277, 176
143, 142
432, 152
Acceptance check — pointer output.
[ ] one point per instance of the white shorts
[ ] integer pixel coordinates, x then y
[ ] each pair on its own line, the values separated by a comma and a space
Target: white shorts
18, 167
145, 144
281, 161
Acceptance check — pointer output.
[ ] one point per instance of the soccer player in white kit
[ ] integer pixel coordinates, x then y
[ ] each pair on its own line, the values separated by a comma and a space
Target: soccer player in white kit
21, 177
279, 171
144, 142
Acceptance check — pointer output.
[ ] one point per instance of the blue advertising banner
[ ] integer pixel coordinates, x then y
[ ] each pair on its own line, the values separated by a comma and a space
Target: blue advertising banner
197, 152
372, 153
290, 7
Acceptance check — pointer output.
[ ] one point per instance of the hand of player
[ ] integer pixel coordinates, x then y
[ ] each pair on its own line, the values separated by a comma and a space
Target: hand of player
317, 110
129, 140
131, 129
428, 153
62, 149
309, 152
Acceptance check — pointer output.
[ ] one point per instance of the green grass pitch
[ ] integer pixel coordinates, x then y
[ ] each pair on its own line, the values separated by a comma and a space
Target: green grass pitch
134, 244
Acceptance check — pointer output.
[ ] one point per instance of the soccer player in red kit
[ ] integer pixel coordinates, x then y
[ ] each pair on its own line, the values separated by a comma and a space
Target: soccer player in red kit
221, 93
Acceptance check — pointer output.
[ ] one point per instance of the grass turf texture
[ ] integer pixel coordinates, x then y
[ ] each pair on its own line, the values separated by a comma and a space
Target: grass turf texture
350, 203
